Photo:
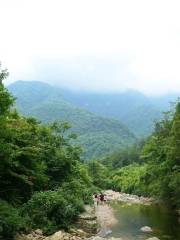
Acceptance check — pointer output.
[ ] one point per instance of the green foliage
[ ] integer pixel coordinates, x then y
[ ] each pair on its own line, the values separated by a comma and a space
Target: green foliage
124, 157
129, 179
22, 168
11, 221
159, 175
42, 180
52, 210
97, 144
100, 174
163, 157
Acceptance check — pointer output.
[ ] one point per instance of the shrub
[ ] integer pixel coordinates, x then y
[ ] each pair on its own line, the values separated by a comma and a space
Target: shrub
52, 210
10, 221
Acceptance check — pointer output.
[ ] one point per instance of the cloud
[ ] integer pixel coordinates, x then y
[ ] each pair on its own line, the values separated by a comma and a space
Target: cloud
102, 45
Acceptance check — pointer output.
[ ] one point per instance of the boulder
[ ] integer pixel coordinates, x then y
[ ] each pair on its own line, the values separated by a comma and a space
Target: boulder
38, 232
146, 229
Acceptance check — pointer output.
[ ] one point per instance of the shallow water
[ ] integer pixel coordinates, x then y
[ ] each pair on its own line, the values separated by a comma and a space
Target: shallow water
131, 217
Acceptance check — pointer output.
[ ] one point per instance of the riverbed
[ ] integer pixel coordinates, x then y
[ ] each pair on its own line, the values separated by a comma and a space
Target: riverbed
130, 218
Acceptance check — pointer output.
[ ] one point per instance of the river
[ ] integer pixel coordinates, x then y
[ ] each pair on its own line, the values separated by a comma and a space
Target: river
131, 217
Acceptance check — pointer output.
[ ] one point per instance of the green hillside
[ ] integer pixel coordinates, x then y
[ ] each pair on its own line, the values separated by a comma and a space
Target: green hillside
137, 111
98, 135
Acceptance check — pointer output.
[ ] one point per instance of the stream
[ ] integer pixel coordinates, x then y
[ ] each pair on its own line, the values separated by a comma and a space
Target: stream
131, 217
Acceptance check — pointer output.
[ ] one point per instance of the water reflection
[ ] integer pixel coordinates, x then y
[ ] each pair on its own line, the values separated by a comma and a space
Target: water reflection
131, 217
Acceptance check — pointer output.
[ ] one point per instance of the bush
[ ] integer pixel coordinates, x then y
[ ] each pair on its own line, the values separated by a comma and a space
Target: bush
52, 210
10, 221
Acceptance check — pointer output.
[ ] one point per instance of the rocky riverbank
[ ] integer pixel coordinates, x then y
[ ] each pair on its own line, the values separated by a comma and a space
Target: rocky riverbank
128, 198
86, 226
95, 223
106, 219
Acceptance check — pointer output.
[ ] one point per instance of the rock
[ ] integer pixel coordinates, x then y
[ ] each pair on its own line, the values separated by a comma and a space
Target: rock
88, 214
81, 233
75, 238
57, 236
88, 222
153, 238
31, 236
38, 232
146, 229
96, 238
129, 198
89, 226
85, 216
77, 232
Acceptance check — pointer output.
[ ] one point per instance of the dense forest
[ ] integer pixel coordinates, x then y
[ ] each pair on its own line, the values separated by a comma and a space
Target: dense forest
149, 168
42, 180
45, 182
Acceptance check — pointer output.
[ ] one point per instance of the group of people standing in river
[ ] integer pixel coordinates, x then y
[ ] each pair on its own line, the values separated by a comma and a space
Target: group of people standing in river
99, 198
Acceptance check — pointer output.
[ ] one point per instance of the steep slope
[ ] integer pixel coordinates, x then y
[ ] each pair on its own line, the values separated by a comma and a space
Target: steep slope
98, 135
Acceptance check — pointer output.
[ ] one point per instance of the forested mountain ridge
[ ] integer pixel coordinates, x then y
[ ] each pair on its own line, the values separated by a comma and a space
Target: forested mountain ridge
137, 111
98, 135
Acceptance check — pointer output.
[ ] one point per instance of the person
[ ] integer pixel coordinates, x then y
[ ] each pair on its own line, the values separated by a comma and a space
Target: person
96, 199
102, 198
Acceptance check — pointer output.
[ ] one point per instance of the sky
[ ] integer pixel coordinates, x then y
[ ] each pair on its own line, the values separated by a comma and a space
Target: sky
96, 45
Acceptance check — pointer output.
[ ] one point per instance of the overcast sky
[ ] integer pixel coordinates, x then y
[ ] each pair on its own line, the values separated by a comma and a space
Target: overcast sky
100, 45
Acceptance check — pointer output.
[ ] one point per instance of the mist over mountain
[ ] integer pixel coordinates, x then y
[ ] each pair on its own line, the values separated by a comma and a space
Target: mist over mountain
132, 108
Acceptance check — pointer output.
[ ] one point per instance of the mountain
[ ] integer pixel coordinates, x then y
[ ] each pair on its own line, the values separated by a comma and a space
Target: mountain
132, 108
98, 135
